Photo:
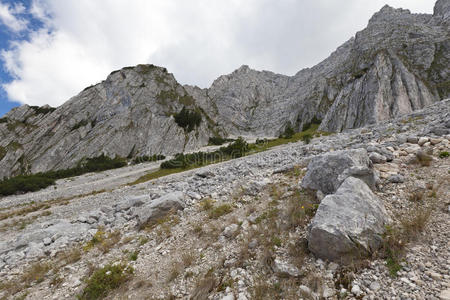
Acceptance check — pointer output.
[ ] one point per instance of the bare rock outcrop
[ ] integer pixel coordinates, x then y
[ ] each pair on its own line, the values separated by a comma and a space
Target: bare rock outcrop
348, 224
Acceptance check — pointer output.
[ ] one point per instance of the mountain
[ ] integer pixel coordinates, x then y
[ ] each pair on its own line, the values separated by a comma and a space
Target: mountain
398, 64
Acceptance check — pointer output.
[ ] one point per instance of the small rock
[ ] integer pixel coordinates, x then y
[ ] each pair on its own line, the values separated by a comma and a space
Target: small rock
230, 230
412, 139
422, 141
377, 158
434, 141
228, 297
396, 178
47, 241
305, 291
374, 286
284, 268
356, 290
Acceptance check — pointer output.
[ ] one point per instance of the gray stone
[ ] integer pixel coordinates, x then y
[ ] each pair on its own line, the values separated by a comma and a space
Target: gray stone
132, 201
374, 286
159, 207
396, 178
369, 176
422, 140
347, 224
230, 230
412, 139
356, 290
377, 158
285, 269
47, 241
324, 170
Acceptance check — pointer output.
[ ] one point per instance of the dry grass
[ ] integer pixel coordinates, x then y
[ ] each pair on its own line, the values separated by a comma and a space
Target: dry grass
174, 271
35, 273
204, 287
218, 211
283, 289
417, 195
409, 228
187, 258
103, 241
424, 159
206, 204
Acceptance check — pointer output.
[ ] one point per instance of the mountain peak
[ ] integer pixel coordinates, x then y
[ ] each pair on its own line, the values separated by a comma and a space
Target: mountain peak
442, 9
388, 13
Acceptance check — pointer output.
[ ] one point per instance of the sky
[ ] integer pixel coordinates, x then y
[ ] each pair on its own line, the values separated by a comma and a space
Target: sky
50, 50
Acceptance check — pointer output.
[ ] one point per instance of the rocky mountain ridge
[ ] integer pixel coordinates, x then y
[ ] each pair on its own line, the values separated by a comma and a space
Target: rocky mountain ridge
398, 64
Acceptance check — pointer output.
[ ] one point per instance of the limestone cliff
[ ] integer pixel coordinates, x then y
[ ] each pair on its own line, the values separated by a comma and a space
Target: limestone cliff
398, 64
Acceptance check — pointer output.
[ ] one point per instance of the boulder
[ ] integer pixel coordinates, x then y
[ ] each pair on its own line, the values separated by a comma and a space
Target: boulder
159, 207
349, 224
132, 201
369, 176
324, 170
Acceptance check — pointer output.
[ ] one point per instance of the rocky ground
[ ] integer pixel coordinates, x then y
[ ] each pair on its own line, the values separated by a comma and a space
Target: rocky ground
238, 229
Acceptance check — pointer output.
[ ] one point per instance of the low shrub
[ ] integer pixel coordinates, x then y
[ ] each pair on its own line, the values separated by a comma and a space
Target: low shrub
38, 181
444, 154
288, 132
43, 110
216, 140
307, 138
219, 211
145, 158
188, 119
236, 149
105, 280
314, 121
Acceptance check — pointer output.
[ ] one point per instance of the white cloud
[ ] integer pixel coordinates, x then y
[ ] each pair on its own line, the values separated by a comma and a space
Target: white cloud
84, 40
8, 16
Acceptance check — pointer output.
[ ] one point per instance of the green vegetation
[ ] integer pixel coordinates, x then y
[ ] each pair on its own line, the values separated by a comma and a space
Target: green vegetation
2, 152
145, 158
306, 138
35, 182
183, 161
4, 120
186, 162
82, 123
188, 119
43, 110
443, 154
217, 141
288, 132
217, 212
105, 280
314, 121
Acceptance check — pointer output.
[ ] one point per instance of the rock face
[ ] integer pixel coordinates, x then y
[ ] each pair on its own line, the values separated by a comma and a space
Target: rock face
347, 224
129, 114
398, 64
324, 170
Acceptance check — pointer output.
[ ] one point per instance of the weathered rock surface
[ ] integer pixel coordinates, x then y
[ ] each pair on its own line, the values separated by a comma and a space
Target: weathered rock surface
323, 171
159, 207
397, 65
347, 224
